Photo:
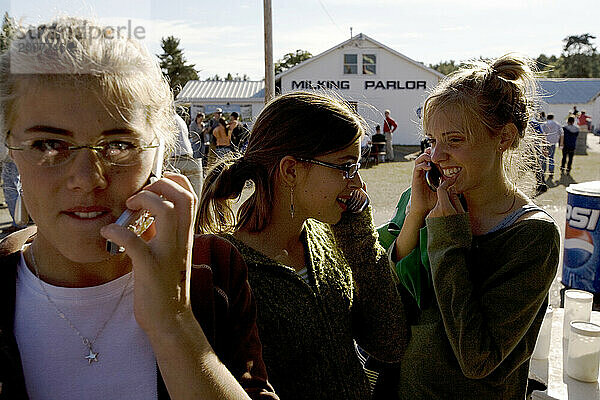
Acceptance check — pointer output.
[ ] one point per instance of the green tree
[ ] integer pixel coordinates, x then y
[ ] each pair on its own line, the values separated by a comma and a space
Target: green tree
580, 58
445, 67
550, 67
229, 77
9, 28
173, 64
291, 59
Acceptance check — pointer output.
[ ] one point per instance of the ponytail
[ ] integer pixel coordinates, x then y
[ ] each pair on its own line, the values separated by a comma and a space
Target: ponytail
224, 184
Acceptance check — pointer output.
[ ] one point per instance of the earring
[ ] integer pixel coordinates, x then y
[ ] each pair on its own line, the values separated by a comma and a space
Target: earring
21, 216
292, 201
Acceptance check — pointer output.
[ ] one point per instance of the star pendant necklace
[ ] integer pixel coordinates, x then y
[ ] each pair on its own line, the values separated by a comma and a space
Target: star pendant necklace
92, 355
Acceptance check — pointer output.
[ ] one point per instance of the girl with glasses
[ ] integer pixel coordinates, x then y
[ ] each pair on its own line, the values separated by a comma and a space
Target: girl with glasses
320, 278
80, 322
474, 253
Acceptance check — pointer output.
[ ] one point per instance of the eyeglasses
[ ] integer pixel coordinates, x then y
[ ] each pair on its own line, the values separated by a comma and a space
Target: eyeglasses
46, 152
350, 170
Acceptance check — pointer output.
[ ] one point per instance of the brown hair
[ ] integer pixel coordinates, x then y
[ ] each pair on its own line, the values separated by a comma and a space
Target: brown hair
489, 95
298, 124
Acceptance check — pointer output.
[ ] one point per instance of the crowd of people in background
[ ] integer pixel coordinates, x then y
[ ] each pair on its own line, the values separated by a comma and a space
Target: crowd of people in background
216, 137
556, 135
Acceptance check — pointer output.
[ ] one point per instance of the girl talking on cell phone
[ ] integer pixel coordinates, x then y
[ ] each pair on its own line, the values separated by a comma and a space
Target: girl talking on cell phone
85, 118
306, 232
473, 253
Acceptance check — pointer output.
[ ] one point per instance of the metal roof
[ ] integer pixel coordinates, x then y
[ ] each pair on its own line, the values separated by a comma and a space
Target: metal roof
569, 90
221, 90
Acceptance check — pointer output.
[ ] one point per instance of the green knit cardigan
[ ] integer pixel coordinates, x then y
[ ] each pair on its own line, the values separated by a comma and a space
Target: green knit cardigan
308, 330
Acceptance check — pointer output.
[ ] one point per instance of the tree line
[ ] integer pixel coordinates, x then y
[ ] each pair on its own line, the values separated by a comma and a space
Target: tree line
579, 59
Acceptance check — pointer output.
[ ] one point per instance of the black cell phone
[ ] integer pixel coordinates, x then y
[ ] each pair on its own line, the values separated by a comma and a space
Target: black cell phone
433, 177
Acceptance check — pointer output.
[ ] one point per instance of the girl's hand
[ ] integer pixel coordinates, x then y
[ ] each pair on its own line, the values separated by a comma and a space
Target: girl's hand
422, 198
448, 202
161, 265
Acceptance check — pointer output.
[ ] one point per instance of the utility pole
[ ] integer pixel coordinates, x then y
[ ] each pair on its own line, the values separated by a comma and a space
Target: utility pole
269, 69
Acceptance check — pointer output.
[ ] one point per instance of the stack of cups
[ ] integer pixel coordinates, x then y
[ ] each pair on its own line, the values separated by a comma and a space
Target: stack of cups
578, 306
542, 345
584, 351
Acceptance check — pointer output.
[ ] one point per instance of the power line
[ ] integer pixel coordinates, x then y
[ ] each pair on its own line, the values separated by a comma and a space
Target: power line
329, 15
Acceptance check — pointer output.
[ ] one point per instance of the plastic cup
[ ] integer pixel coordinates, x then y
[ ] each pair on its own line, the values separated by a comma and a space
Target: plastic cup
578, 306
584, 351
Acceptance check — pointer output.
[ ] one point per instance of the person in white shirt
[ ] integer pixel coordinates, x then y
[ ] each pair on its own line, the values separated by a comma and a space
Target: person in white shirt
183, 158
552, 130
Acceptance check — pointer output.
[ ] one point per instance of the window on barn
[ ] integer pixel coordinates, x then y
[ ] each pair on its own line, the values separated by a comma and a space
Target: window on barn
369, 64
350, 64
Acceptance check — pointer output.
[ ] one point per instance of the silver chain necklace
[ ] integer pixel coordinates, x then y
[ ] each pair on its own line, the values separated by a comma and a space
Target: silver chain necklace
92, 355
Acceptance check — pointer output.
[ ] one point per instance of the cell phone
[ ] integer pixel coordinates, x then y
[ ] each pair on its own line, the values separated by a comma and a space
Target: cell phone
139, 221
433, 177
358, 201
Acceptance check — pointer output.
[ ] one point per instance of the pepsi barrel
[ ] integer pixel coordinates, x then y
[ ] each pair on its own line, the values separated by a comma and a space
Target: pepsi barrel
581, 261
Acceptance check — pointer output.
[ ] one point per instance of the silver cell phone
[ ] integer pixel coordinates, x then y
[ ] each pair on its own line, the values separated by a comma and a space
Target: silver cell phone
138, 221
358, 201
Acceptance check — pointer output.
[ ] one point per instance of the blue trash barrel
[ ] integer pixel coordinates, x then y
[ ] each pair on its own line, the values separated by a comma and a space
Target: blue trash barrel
581, 261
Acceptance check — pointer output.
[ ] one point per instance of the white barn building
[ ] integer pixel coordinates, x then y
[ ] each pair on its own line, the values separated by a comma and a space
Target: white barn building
372, 76
560, 95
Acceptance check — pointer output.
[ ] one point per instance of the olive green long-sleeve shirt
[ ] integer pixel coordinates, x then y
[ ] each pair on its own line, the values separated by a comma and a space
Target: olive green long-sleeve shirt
476, 338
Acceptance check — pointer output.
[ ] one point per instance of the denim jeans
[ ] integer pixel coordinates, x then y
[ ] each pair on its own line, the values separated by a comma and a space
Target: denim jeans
550, 157
11, 183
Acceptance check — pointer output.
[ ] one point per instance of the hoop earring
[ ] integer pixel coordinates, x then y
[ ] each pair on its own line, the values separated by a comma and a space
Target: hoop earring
292, 210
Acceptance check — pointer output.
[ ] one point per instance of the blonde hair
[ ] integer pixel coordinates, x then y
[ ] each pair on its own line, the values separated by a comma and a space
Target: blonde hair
488, 95
119, 71
299, 124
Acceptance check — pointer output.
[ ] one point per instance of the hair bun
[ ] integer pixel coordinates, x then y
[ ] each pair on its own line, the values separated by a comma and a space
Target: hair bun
510, 67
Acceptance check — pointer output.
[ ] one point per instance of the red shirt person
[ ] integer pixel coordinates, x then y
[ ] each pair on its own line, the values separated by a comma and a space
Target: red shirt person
584, 120
389, 126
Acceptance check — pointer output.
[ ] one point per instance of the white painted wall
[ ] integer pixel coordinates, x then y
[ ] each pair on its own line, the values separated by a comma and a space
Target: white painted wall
561, 111
372, 102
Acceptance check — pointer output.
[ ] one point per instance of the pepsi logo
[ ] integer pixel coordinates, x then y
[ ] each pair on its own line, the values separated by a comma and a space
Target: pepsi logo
579, 247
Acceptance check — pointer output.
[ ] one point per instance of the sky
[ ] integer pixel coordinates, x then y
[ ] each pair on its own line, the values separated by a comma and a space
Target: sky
227, 36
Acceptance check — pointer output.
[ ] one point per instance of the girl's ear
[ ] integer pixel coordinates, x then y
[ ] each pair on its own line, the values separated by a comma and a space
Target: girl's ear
288, 170
508, 134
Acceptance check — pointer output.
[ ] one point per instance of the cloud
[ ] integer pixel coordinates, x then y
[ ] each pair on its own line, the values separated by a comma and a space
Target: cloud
458, 28
430, 4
